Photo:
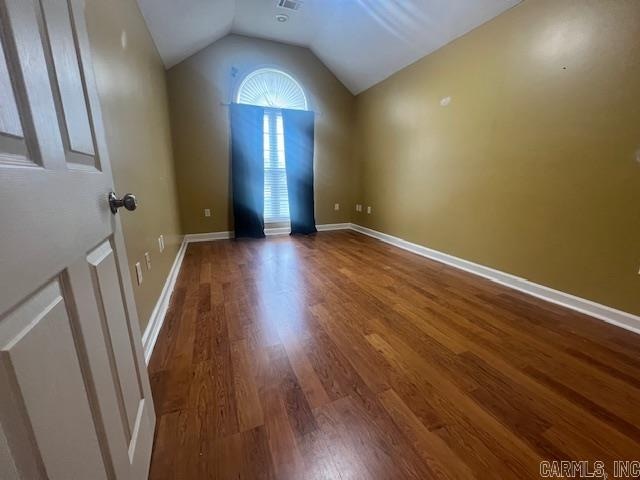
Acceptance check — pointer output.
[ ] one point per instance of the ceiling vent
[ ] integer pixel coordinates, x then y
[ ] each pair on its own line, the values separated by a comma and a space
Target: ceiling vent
289, 4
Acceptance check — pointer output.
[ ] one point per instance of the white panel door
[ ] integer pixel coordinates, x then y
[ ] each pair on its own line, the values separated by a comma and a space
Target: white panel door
75, 401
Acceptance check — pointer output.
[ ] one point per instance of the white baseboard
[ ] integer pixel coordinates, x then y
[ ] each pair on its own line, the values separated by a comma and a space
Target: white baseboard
156, 319
321, 228
333, 226
610, 315
207, 237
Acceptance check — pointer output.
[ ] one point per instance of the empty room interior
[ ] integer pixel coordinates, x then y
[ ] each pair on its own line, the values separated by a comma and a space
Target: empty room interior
319, 239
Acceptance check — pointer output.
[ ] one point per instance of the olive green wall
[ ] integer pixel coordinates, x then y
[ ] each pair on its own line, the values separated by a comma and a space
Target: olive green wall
531, 169
131, 85
200, 127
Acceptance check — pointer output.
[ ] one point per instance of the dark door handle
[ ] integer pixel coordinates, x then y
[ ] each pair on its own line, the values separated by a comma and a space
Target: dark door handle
128, 201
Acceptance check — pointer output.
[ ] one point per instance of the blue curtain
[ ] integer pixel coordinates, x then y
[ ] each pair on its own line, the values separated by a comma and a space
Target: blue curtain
298, 147
247, 170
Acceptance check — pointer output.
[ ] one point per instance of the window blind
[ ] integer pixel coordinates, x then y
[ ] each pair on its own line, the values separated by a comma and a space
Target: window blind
272, 88
276, 197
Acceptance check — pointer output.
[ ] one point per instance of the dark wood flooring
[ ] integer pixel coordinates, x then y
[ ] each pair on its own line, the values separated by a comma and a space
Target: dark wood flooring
338, 356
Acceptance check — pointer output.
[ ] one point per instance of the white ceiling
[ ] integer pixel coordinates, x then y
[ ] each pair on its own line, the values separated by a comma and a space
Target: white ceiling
361, 41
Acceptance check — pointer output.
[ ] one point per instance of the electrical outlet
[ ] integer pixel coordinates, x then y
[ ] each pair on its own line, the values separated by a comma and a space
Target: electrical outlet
358, 207
207, 212
139, 273
161, 243
368, 210
147, 257
336, 207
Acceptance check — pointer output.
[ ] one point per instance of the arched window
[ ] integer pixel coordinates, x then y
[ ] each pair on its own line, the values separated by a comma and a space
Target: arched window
268, 87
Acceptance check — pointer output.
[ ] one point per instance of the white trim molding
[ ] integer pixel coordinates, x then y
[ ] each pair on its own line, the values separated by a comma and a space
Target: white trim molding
334, 226
156, 319
207, 237
610, 315
321, 228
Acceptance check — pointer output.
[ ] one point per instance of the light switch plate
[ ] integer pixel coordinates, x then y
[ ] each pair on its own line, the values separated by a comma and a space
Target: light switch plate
368, 210
139, 273
336, 207
161, 243
147, 257
207, 212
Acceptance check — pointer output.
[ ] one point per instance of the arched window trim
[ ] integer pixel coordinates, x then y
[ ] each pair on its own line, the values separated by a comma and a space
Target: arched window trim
269, 68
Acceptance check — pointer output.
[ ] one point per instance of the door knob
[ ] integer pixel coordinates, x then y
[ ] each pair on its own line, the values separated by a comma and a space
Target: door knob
128, 201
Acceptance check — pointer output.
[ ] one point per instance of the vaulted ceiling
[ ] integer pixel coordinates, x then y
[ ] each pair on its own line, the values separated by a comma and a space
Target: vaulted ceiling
361, 41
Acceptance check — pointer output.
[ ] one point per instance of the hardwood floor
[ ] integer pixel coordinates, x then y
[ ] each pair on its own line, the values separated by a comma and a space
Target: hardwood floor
337, 356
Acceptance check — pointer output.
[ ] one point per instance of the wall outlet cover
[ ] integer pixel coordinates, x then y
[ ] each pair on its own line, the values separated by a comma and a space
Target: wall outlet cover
336, 206
139, 273
147, 257
207, 212
368, 210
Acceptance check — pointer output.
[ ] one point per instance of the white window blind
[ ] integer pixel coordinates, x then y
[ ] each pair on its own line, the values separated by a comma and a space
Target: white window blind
276, 198
268, 87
